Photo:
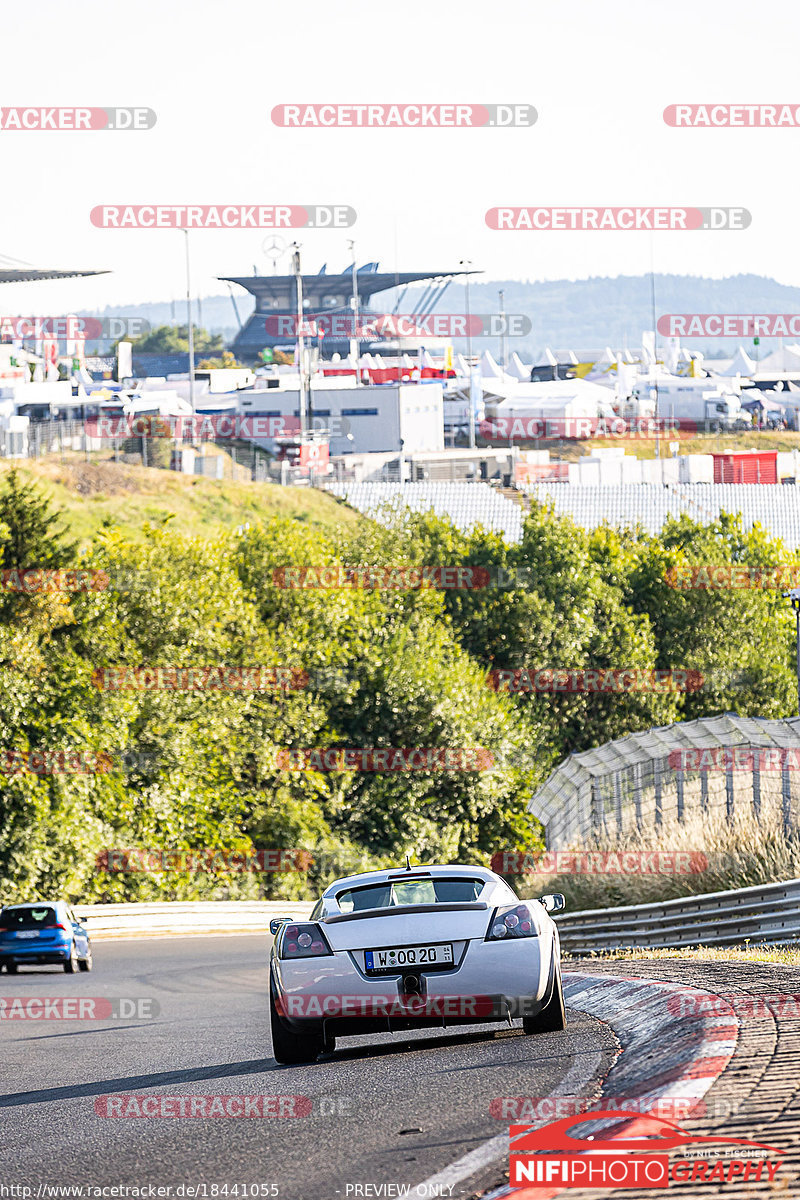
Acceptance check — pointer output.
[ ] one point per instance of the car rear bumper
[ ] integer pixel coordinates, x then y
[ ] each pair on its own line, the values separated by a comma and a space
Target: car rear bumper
40, 954
493, 982
40, 957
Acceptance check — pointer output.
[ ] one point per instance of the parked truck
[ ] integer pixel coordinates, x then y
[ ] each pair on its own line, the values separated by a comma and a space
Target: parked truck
704, 404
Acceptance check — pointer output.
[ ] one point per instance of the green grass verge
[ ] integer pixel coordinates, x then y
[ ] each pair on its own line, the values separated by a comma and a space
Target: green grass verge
98, 492
788, 956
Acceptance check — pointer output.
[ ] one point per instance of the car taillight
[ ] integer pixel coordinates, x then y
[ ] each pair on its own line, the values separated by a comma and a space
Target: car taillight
303, 941
515, 921
53, 925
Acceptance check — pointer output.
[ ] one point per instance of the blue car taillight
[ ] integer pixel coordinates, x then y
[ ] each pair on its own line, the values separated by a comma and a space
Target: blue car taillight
516, 921
303, 941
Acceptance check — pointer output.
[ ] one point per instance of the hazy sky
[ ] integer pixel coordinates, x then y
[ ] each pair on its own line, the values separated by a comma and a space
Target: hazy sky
599, 72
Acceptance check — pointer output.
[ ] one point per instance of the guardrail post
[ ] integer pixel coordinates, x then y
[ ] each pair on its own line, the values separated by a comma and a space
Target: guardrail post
637, 793
756, 790
597, 807
618, 801
786, 796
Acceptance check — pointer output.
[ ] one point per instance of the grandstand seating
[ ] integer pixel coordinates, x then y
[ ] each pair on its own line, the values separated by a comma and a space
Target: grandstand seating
467, 504
774, 506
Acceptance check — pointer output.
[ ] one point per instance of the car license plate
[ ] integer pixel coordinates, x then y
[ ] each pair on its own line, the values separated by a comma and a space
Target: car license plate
35, 933
395, 958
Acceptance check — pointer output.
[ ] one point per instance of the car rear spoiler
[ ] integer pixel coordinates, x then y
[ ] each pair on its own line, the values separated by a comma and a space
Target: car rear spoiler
400, 910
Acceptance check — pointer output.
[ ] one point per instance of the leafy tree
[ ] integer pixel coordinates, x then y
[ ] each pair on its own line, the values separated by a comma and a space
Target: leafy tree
174, 339
225, 362
31, 534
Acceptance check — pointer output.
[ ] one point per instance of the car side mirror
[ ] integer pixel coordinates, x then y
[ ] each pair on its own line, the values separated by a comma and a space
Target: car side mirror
81, 918
554, 902
276, 923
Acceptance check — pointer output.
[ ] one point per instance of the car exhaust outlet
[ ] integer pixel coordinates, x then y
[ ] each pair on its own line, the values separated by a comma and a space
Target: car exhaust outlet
412, 985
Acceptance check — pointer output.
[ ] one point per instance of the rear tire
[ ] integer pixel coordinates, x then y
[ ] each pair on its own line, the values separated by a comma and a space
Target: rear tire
71, 965
552, 1018
12, 968
85, 964
289, 1048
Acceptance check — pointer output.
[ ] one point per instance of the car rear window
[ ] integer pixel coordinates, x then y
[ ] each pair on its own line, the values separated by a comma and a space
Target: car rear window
412, 891
27, 918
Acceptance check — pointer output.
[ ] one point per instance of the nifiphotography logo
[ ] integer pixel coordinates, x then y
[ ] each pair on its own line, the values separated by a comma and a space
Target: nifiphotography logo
551, 1155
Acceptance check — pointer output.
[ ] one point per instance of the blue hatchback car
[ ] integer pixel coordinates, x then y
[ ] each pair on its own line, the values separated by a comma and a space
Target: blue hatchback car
31, 934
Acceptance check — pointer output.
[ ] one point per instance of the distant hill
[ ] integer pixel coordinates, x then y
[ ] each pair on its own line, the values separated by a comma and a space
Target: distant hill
582, 314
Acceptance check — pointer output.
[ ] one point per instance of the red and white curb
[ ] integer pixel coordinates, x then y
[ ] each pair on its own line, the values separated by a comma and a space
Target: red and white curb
666, 1054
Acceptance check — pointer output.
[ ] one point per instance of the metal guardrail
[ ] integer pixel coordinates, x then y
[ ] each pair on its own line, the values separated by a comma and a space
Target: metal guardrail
187, 916
767, 915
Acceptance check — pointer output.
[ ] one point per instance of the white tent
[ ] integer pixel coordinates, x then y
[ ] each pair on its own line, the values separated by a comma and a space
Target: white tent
548, 359
603, 368
517, 369
556, 398
489, 368
740, 364
785, 358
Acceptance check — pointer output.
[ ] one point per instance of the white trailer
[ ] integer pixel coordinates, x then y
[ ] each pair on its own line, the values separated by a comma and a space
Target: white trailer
704, 402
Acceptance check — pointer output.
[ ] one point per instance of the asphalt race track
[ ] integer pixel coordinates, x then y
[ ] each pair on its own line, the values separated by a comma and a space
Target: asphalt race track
385, 1109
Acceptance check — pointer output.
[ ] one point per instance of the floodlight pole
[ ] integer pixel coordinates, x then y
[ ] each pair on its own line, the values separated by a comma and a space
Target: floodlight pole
189, 322
354, 304
301, 346
467, 262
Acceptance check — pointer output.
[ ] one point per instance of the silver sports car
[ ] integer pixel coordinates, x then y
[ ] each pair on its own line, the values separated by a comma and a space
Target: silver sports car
402, 949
